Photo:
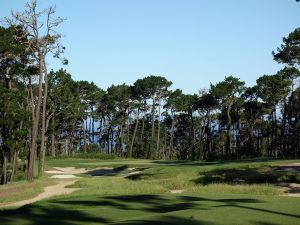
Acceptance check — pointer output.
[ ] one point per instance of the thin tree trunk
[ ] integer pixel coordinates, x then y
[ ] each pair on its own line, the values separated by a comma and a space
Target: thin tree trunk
134, 133
14, 159
44, 129
158, 132
193, 136
53, 137
275, 132
14, 165
84, 137
228, 133
172, 132
36, 120
142, 131
121, 139
93, 129
153, 128
4, 167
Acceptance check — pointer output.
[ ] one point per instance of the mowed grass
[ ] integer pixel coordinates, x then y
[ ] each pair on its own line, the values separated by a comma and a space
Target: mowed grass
145, 197
158, 209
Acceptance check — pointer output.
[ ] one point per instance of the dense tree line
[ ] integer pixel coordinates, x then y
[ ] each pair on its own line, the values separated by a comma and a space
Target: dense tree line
48, 113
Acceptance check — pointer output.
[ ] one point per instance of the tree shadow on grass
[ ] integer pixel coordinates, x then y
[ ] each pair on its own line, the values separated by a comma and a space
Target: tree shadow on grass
37, 214
208, 163
247, 176
107, 171
154, 208
165, 220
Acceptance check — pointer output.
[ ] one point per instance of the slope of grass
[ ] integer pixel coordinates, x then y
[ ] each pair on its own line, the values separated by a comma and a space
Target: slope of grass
22, 190
145, 198
155, 209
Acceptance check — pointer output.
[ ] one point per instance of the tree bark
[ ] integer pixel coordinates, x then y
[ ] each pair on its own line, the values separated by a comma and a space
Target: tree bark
84, 137
53, 137
36, 121
228, 132
44, 128
134, 133
158, 131
4, 167
151, 150
172, 132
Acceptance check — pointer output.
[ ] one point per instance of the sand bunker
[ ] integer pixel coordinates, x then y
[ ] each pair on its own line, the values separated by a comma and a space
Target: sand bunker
50, 191
63, 176
176, 191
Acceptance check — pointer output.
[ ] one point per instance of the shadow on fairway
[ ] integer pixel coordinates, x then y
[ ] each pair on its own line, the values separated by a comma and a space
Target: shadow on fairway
89, 210
165, 220
107, 171
36, 215
261, 175
209, 163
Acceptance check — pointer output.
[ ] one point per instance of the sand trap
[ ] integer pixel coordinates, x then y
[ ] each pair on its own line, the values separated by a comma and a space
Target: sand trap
134, 173
70, 170
290, 189
50, 191
176, 191
55, 172
64, 176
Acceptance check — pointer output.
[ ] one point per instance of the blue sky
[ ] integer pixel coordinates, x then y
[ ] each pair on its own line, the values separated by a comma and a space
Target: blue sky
191, 42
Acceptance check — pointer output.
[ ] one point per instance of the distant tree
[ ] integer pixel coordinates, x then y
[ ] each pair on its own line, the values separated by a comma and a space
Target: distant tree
155, 88
228, 92
289, 52
14, 63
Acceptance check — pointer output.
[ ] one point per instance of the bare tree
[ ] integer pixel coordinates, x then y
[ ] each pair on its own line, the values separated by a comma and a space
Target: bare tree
40, 27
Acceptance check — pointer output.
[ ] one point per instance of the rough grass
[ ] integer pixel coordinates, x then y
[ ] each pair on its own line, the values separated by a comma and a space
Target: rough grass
22, 190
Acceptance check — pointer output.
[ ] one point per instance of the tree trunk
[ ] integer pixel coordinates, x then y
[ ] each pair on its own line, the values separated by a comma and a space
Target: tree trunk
36, 121
84, 137
14, 165
14, 159
228, 132
44, 129
93, 125
121, 139
158, 132
152, 129
275, 132
142, 146
134, 133
53, 137
67, 147
193, 135
4, 168
172, 132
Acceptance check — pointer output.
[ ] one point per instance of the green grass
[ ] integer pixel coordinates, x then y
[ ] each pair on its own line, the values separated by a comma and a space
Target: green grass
155, 209
145, 198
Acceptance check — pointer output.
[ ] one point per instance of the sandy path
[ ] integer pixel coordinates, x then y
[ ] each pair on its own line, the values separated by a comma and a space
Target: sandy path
50, 191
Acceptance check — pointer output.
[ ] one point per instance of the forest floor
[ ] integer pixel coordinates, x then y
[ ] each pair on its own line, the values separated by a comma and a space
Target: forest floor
167, 192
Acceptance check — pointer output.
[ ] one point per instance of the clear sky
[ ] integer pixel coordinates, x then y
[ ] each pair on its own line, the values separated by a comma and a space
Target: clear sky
191, 42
